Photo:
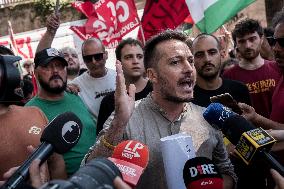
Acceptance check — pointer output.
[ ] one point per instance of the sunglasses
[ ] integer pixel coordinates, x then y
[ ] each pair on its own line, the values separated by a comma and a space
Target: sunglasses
97, 57
272, 41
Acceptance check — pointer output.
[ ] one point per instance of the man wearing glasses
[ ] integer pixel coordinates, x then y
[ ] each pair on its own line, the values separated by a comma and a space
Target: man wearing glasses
260, 75
98, 81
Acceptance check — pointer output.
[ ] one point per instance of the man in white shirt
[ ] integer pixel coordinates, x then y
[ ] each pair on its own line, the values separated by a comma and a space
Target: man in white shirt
98, 81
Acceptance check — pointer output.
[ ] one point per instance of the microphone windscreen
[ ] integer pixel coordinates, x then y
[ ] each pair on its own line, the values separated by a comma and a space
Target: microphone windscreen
131, 157
216, 114
133, 152
201, 173
63, 132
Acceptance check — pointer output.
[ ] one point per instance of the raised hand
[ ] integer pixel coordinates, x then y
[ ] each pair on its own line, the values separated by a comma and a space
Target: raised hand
52, 23
124, 102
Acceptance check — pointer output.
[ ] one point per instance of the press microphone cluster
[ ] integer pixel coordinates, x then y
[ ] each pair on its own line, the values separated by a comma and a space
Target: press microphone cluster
59, 136
251, 143
128, 161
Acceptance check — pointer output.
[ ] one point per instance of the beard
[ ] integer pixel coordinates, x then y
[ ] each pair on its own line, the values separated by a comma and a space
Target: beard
210, 76
73, 70
53, 90
254, 53
166, 89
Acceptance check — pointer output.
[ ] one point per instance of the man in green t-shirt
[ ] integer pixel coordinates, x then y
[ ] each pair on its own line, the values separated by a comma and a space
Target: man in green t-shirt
51, 74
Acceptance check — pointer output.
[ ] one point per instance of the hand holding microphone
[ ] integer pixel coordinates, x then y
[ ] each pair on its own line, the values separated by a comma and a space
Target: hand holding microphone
251, 143
59, 136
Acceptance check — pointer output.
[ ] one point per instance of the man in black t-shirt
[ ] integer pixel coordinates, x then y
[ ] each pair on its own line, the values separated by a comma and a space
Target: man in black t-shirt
130, 53
207, 61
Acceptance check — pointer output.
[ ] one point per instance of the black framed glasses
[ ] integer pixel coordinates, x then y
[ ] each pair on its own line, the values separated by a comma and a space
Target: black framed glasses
97, 57
272, 41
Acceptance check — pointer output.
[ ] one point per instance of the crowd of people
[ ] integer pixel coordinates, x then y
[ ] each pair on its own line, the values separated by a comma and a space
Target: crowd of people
157, 90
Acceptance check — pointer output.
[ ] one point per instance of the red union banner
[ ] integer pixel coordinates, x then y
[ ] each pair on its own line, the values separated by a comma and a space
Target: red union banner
24, 48
86, 8
113, 20
80, 31
162, 14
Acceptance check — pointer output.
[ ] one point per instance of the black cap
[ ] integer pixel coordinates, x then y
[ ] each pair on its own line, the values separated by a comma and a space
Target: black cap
42, 58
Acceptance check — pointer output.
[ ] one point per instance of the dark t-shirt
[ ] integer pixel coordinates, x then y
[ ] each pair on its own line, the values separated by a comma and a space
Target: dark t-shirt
237, 89
107, 105
261, 83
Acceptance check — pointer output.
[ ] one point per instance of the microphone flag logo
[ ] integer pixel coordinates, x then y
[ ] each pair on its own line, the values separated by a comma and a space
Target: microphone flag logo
71, 132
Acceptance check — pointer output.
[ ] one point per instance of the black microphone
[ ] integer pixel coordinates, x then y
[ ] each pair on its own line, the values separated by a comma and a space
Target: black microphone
59, 136
201, 172
251, 142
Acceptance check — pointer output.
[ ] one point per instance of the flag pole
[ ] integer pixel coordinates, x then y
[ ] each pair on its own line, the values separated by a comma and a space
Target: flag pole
142, 34
56, 8
227, 32
13, 45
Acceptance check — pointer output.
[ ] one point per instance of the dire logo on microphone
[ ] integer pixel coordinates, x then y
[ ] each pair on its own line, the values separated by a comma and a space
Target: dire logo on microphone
71, 132
204, 169
200, 172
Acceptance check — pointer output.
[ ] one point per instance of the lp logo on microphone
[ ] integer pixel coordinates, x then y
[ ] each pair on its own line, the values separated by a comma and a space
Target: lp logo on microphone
71, 132
129, 152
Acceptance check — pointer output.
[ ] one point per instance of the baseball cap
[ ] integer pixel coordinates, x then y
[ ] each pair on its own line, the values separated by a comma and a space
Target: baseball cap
200, 172
131, 157
42, 58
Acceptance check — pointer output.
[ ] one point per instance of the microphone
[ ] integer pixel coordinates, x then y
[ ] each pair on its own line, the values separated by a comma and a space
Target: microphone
131, 157
250, 143
200, 172
59, 136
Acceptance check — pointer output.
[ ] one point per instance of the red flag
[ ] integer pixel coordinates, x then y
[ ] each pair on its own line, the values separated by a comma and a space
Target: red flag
189, 20
113, 20
162, 15
34, 84
80, 31
13, 43
87, 8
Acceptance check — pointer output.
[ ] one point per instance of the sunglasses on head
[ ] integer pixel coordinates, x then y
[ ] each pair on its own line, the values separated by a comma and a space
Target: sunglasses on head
272, 41
97, 57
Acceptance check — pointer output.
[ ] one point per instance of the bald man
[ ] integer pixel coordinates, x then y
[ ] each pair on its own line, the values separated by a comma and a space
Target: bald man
98, 81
